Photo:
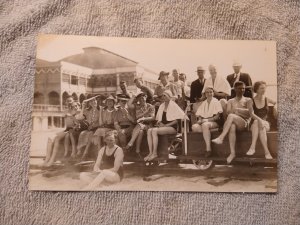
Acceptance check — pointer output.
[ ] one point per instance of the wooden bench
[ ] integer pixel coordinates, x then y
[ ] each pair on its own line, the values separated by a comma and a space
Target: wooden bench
196, 145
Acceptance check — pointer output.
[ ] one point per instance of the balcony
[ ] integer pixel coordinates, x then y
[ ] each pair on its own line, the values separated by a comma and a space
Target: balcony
46, 108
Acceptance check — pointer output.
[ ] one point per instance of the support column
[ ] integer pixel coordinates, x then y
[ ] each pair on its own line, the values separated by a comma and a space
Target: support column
118, 82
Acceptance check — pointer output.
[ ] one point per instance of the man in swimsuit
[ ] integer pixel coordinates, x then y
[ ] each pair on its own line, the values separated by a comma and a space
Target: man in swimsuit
237, 120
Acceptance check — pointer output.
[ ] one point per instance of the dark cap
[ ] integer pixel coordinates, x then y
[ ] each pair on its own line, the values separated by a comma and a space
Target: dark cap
163, 73
123, 97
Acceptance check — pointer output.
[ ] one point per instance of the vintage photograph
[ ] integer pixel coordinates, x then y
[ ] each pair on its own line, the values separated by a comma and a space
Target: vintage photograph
144, 114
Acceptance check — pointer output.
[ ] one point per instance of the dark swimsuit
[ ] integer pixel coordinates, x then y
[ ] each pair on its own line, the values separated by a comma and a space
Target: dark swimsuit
108, 162
165, 121
262, 112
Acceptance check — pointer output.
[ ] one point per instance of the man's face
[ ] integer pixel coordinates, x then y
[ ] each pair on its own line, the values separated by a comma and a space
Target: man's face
175, 74
122, 103
237, 69
213, 71
182, 77
240, 90
138, 83
123, 86
164, 79
200, 74
69, 101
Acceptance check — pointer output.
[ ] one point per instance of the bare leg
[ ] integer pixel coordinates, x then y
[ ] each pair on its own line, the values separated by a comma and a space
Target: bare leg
105, 175
206, 136
263, 139
254, 131
73, 143
135, 134
155, 143
67, 144
122, 139
50, 145
139, 141
87, 147
226, 128
150, 143
55, 148
232, 141
155, 133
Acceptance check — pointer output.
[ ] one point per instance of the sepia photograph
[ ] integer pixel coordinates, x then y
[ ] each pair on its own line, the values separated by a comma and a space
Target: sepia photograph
145, 114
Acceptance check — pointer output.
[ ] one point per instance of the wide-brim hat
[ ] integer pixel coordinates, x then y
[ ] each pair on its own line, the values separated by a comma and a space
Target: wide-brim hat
163, 73
200, 68
123, 97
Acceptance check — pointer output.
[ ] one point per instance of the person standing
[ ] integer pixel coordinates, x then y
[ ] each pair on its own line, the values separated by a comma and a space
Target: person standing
239, 76
197, 85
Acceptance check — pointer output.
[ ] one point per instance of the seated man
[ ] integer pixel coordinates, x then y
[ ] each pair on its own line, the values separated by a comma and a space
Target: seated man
123, 120
238, 118
140, 84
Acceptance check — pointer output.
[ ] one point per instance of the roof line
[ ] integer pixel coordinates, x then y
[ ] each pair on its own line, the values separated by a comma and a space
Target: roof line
112, 53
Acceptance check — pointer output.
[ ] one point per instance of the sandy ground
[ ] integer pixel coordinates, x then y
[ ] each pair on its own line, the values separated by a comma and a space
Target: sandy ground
168, 177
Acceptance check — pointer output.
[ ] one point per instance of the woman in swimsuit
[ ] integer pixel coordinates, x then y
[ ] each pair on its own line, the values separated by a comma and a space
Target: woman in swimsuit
259, 109
108, 166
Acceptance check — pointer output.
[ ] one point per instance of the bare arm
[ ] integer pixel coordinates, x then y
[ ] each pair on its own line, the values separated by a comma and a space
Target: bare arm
131, 103
99, 159
271, 101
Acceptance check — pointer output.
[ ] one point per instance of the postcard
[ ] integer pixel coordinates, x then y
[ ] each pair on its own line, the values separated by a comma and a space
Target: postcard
144, 114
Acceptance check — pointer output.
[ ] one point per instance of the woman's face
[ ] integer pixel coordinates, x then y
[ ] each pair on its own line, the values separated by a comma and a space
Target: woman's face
142, 99
110, 140
209, 93
93, 103
262, 89
166, 98
75, 106
110, 103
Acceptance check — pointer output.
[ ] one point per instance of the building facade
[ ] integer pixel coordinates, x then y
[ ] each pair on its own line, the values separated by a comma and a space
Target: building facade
96, 71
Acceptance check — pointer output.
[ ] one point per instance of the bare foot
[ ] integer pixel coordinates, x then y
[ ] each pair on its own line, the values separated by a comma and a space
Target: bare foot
218, 141
268, 156
147, 157
73, 155
153, 156
251, 151
230, 158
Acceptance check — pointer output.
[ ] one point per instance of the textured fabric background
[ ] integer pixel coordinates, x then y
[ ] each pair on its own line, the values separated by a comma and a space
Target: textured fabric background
21, 21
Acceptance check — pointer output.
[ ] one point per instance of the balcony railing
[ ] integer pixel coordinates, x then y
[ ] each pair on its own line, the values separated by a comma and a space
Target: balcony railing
46, 108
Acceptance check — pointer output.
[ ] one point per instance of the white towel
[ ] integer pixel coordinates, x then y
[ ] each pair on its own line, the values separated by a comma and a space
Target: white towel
206, 110
220, 85
174, 112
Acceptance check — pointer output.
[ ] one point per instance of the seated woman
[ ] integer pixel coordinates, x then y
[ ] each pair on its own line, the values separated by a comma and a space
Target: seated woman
90, 112
145, 115
167, 115
73, 131
108, 166
258, 109
106, 120
209, 117
53, 146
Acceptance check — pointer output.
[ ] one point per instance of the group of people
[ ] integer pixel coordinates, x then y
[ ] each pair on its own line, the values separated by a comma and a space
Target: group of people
119, 123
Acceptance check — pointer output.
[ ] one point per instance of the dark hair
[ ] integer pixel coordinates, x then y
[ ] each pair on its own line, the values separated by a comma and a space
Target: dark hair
239, 83
257, 84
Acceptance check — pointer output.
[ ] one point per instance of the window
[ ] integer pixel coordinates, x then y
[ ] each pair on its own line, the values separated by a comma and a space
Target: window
74, 80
